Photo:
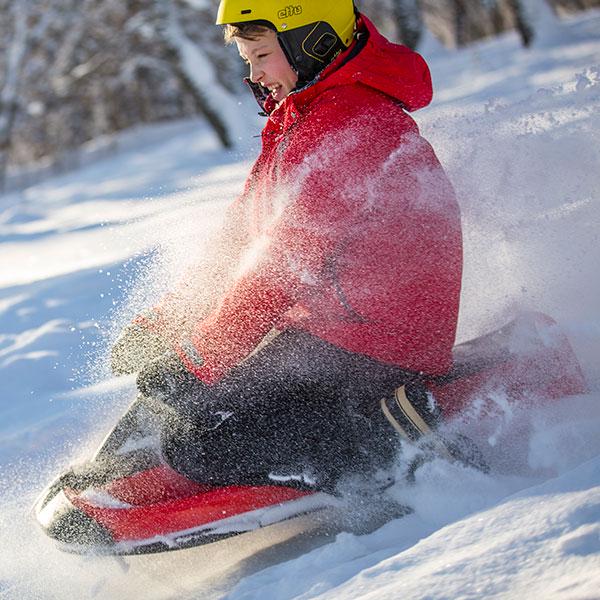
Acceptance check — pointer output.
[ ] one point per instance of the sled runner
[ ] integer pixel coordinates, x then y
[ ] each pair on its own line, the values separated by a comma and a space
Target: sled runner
126, 500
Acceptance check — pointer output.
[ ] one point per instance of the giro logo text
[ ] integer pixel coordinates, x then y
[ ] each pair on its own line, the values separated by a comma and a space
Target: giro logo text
289, 11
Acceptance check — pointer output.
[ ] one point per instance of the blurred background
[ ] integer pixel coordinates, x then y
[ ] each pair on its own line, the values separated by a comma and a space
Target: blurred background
74, 72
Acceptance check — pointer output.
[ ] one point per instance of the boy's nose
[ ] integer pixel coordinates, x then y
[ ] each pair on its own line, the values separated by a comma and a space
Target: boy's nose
255, 74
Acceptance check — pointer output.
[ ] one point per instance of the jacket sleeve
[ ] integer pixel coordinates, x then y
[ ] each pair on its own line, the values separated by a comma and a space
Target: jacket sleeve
326, 196
292, 260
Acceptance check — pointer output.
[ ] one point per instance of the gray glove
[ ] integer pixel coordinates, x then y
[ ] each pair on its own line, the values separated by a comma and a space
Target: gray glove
167, 380
135, 347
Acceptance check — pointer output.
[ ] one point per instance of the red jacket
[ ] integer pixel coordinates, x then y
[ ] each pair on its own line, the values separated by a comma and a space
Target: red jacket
356, 226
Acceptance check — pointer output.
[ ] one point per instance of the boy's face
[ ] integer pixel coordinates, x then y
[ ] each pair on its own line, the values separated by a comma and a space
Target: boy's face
268, 64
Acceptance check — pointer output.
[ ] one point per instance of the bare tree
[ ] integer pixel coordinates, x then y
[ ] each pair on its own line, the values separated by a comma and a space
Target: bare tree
74, 70
409, 23
9, 94
98, 67
522, 23
199, 75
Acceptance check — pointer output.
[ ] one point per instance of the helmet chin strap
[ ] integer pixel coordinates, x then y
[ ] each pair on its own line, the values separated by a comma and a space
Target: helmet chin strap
309, 49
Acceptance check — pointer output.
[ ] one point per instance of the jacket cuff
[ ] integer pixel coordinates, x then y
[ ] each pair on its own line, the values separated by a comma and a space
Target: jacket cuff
207, 371
151, 320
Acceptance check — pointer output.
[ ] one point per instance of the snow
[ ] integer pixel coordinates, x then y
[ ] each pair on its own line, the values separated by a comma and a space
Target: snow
519, 133
501, 552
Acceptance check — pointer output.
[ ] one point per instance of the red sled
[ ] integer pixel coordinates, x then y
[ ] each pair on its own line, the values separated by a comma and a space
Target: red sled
127, 501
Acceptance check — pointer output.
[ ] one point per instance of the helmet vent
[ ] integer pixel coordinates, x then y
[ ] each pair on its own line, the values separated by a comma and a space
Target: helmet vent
247, 11
324, 44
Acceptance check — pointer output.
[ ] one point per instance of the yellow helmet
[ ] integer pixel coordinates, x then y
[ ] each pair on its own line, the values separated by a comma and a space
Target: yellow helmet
311, 32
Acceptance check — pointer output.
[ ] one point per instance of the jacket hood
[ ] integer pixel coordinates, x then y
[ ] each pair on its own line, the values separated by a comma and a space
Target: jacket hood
392, 69
372, 61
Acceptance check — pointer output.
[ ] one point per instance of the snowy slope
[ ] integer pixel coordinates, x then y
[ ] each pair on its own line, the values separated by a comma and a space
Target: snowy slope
519, 133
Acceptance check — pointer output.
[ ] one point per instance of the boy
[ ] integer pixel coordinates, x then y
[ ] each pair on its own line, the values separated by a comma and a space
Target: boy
357, 243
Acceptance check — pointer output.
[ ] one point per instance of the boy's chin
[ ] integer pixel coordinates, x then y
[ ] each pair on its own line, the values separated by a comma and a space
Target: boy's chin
279, 95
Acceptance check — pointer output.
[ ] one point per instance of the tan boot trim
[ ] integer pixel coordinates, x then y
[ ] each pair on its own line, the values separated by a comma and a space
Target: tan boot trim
409, 411
393, 422
411, 414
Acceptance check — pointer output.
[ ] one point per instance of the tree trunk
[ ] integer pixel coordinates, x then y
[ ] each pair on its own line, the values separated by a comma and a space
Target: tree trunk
408, 20
218, 105
210, 113
542, 18
522, 24
9, 95
460, 22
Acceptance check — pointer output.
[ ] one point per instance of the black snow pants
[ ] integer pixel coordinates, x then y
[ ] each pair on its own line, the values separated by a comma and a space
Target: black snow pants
300, 409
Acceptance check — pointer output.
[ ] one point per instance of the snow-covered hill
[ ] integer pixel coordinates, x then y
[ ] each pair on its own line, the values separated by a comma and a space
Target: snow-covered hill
519, 133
